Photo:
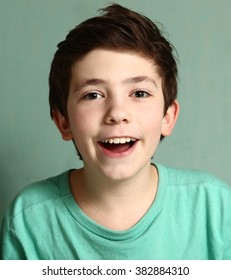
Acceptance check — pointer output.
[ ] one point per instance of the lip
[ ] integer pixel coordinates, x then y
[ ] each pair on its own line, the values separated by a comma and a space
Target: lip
112, 154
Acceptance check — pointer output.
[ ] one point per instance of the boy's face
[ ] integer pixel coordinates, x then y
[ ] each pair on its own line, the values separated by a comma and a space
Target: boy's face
115, 108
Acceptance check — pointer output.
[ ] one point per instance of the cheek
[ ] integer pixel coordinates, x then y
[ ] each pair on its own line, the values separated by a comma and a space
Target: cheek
154, 129
82, 123
153, 120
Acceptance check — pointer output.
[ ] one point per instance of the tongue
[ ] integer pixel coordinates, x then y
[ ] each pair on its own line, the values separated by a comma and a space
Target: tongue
117, 148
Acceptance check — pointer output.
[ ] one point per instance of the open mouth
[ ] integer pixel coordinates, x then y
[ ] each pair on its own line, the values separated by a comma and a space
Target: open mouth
118, 145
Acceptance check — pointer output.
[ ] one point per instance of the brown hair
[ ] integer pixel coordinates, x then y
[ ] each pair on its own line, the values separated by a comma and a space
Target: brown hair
118, 28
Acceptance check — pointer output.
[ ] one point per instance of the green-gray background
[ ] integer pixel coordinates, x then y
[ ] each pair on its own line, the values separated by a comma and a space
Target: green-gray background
30, 145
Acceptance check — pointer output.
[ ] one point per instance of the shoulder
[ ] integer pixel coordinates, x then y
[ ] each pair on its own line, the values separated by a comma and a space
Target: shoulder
38, 193
194, 180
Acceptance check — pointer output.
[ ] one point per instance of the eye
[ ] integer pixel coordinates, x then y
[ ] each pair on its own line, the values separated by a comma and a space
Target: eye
140, 94
92, 96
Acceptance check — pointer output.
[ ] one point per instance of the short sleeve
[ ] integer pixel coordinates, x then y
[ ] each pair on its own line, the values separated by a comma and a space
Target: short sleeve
10, 247
227, 234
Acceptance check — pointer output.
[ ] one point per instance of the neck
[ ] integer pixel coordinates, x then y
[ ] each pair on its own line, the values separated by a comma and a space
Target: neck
115, 204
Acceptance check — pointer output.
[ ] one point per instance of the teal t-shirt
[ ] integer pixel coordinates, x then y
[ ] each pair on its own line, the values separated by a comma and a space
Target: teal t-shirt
190, 218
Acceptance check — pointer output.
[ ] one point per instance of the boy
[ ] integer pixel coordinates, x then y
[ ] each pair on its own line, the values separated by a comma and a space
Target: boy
113, 89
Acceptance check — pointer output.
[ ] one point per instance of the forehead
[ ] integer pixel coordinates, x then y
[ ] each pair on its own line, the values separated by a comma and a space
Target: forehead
113, 66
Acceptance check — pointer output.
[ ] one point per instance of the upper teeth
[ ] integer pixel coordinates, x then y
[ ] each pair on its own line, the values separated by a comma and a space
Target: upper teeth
121, 140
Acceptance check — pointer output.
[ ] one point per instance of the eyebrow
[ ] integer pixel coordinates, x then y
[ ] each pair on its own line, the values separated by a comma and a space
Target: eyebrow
89, 82
97, 82
139, 79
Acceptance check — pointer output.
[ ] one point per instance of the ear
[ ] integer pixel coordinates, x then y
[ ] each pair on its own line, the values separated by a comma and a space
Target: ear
63, 125
170, 118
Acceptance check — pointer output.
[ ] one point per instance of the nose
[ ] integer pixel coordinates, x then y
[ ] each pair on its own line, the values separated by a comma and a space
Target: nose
117, 112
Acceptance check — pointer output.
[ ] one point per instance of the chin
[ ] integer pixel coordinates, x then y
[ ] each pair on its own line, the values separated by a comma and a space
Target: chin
121, 173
